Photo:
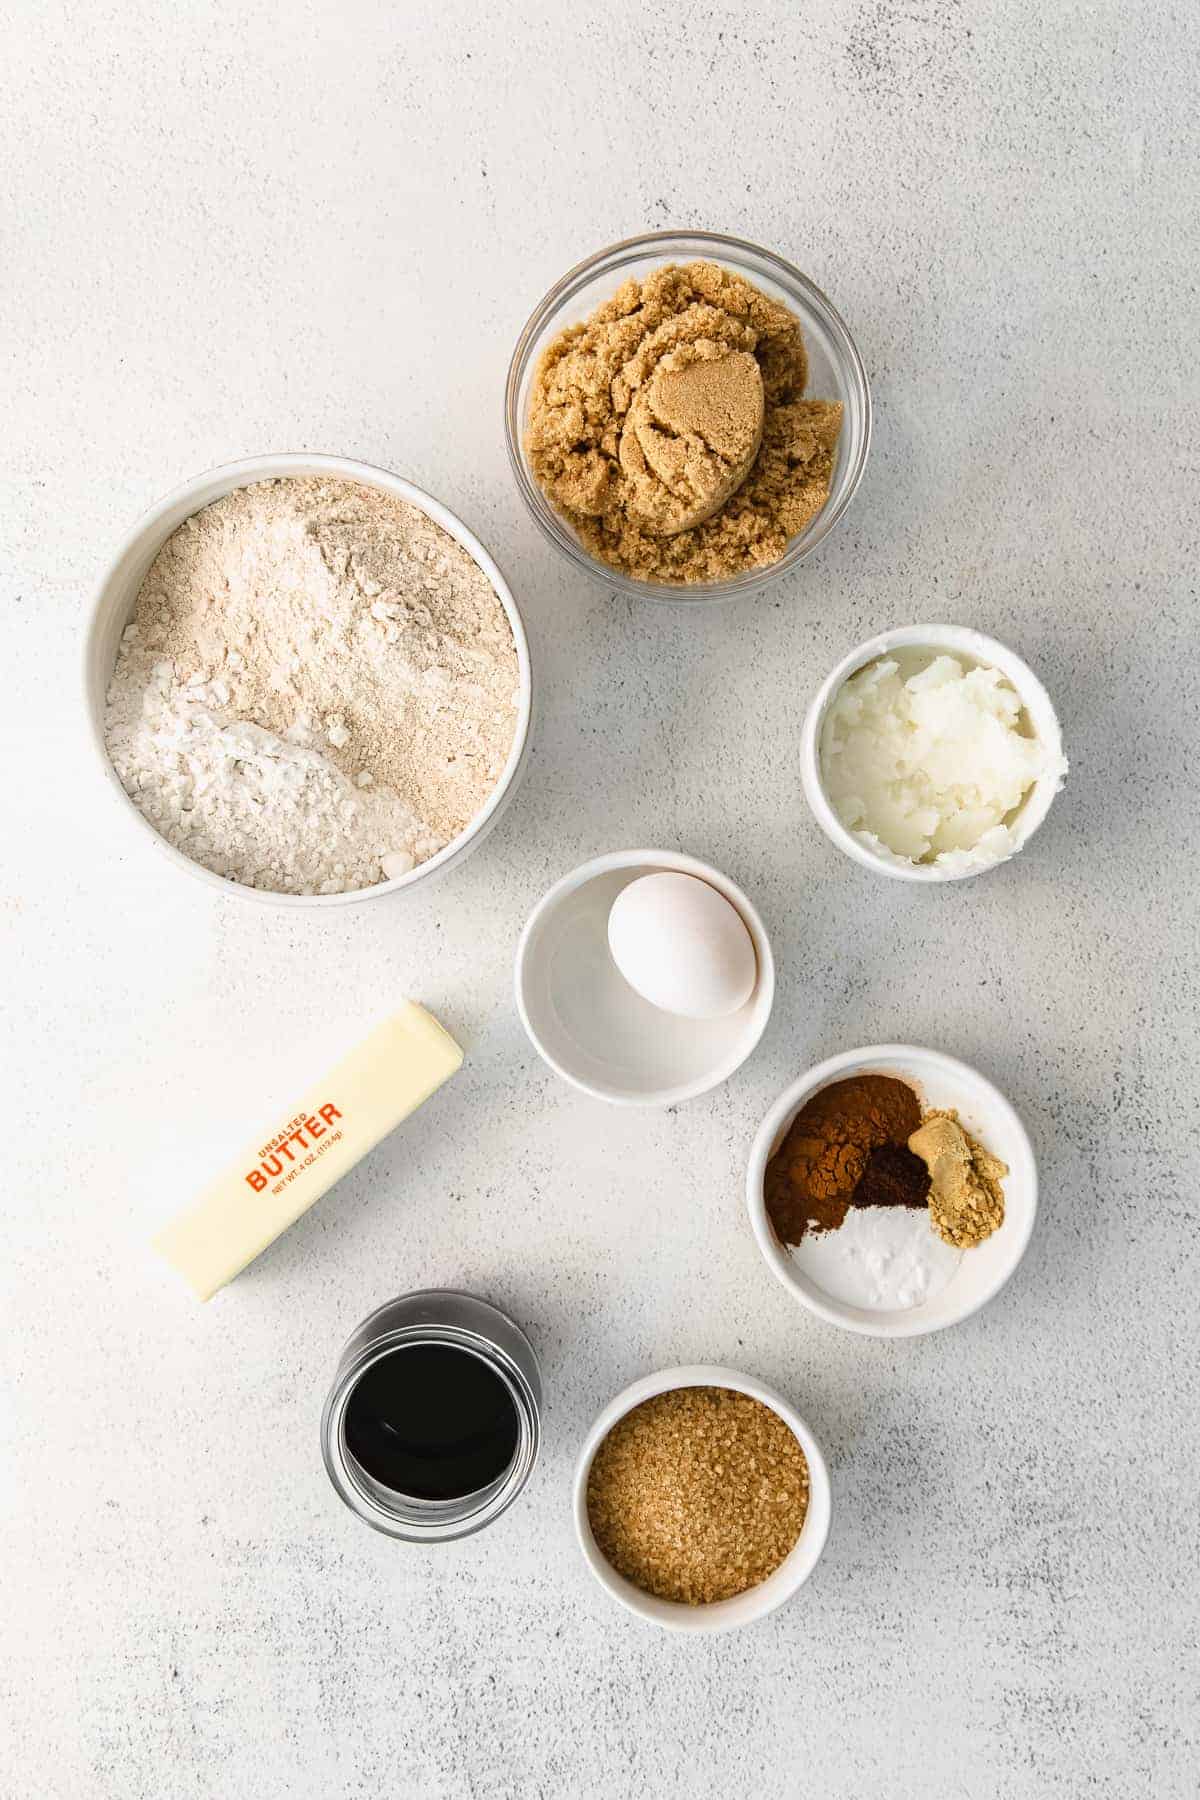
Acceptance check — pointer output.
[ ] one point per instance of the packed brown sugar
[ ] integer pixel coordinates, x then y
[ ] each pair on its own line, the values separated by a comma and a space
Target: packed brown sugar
671, 431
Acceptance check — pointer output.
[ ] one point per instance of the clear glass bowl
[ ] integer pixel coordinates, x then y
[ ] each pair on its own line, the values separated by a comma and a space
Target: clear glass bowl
835, 373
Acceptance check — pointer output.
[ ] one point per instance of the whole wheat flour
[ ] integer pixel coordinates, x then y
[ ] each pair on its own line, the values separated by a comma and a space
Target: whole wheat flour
317, 690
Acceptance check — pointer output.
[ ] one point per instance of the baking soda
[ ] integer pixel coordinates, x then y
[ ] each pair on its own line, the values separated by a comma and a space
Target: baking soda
883, 1258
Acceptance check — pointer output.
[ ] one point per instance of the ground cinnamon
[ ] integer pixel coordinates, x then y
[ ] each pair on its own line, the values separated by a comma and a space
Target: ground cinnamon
847, 1146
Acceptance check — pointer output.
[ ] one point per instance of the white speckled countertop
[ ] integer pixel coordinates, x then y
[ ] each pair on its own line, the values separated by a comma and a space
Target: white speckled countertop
238, 228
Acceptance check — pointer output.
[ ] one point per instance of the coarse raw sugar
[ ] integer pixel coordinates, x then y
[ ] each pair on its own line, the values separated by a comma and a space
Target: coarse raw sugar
318, 689
670, 427
698, 1494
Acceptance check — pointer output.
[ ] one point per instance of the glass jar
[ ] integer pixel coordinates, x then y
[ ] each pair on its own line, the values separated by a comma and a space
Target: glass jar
453, 1320
836, 372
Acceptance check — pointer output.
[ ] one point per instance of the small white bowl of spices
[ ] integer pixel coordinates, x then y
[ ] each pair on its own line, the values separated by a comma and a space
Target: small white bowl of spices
892, 1190
702, 1500
307, 681
931, 753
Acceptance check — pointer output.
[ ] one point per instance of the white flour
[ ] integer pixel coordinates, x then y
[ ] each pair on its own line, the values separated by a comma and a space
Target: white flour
317, 690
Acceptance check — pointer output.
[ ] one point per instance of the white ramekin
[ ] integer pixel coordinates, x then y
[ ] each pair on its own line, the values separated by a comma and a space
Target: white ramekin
756, 1602
940, 1082
953, 640
587, 1023
114, 603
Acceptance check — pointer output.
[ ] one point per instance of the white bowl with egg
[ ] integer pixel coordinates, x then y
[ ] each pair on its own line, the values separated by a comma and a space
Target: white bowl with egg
913, 644
593, 1027
756, 1602
940, 1083
116, 597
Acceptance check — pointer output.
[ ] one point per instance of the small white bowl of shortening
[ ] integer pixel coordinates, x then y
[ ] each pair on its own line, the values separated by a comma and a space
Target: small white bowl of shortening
931, 753
644, 977
884, 1272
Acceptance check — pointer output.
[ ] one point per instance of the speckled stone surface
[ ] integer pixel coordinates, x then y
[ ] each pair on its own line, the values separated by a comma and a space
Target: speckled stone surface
231, 229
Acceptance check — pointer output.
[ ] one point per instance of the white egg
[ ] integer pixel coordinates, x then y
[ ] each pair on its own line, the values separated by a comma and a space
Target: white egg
682, 946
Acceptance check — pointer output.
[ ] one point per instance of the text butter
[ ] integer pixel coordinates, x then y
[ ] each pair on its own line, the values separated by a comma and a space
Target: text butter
310, 1147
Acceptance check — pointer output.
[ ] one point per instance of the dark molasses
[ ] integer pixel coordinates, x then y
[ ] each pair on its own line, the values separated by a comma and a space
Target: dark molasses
433, 1422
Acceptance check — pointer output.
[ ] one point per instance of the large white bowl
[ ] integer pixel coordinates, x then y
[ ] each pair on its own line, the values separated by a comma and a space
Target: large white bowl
940, 1082
117, 594
975, 649
589, 1025
756, 1602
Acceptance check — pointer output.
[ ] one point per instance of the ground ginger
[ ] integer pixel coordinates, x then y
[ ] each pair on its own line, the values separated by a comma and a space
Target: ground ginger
966, 1198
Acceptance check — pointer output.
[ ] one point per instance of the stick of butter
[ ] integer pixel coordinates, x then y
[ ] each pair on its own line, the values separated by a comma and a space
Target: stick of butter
309, 1147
